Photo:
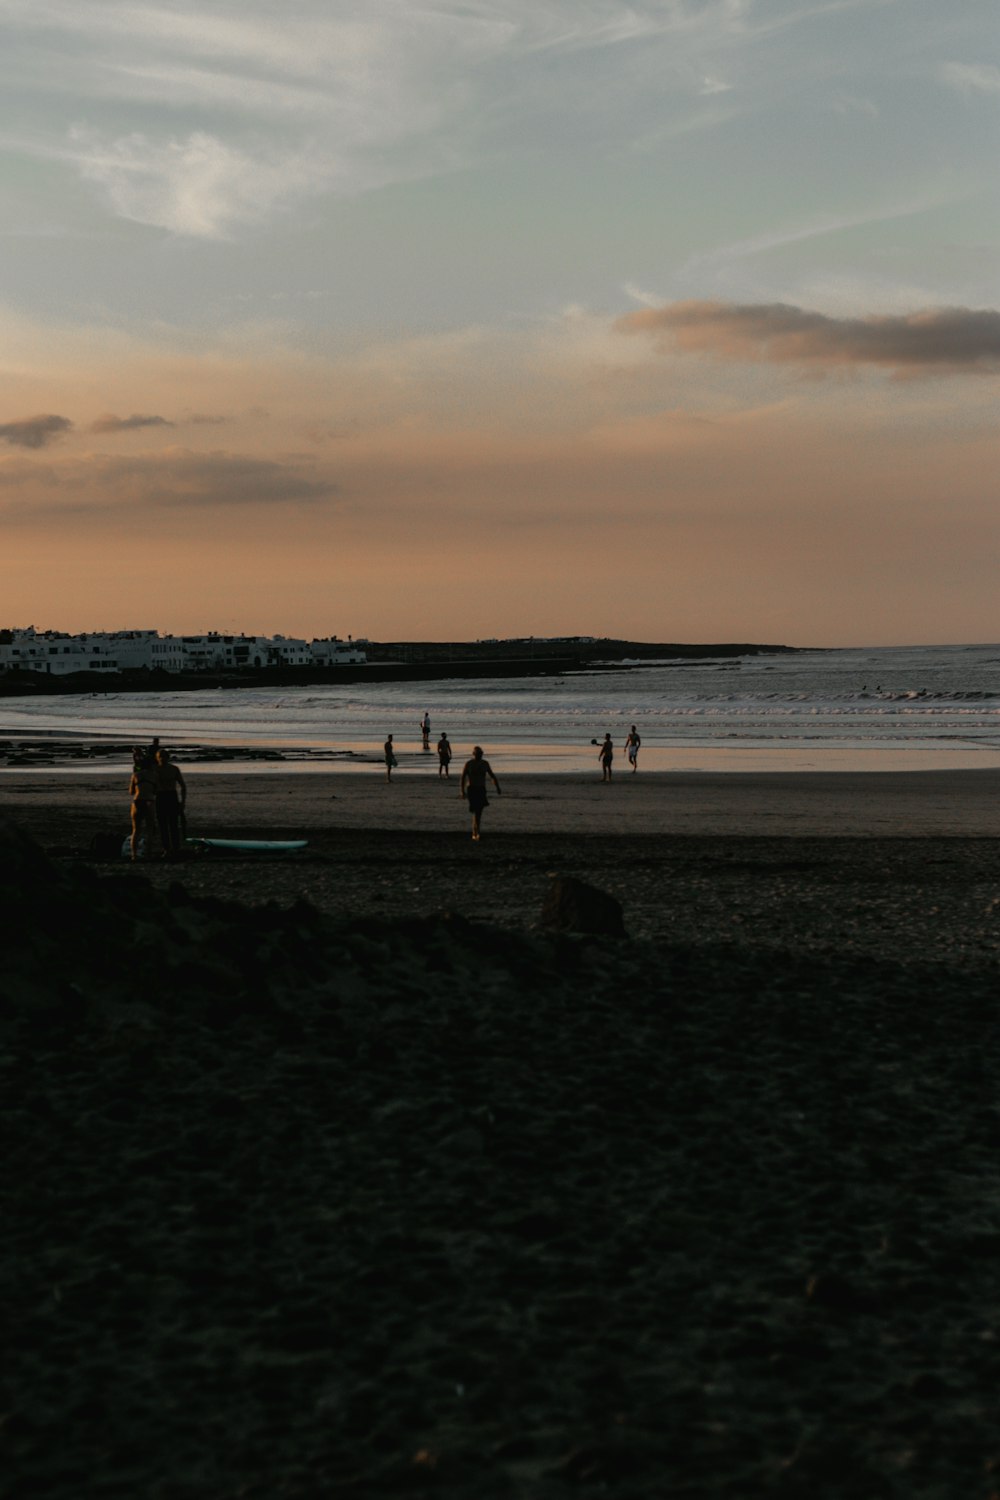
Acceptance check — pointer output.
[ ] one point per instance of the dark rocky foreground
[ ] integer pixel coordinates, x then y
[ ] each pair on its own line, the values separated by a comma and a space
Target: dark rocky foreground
301, 1206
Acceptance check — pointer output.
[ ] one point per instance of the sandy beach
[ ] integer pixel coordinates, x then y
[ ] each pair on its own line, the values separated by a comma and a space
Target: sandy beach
339, 1173
899, 865
905, 804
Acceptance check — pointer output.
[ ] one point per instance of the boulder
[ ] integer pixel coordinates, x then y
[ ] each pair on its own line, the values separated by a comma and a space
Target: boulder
572, 905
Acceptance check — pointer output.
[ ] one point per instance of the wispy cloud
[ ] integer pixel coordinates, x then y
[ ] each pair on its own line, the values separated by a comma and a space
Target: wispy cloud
197, 186
791, 234
288, 107
180, 478
100, 485
110, 423
973, 78
584, 24
35, 432
329, 98
641, 295
849, 104
215, 89
801, 14
949, 340
714, 86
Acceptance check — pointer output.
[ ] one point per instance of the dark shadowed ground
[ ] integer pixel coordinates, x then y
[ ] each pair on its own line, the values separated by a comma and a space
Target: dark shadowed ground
335, 1195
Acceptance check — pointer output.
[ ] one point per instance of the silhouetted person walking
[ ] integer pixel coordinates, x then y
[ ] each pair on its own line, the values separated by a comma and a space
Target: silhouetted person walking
474, 774
444, 755
606, 755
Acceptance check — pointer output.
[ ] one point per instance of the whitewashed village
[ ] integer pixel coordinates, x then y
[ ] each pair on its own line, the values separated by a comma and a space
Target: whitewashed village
57, 653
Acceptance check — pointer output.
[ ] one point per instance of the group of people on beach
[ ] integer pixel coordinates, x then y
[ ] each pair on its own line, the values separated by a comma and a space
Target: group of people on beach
158, 797
158, 791
475, 773
606, 753
477, 770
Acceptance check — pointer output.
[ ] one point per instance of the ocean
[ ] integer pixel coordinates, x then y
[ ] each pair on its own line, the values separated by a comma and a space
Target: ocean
913, 708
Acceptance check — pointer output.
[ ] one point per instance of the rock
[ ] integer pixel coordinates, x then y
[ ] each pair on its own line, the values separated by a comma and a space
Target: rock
572, 905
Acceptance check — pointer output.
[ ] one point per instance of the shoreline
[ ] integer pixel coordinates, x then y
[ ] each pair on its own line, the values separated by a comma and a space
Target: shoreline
86, 754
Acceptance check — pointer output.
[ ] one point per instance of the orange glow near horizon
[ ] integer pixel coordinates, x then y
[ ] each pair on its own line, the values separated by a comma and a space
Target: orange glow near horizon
810, 515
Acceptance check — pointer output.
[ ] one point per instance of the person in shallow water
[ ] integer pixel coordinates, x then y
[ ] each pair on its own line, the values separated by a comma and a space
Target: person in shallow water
171, 798
473, 785
444, 755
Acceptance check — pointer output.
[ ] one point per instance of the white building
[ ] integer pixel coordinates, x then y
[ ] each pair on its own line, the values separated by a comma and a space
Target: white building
56, 653
332, 652
139, 649
53, 652
213, 652
289, 652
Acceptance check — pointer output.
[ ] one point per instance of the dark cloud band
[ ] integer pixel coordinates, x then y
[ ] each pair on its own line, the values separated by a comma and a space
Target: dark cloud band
947, 339
110, 423
35, 432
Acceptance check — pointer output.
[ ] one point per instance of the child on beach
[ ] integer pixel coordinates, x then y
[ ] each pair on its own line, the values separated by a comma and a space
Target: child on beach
606, 755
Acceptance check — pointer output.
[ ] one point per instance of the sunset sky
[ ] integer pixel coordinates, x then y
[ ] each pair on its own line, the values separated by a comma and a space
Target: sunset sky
672, 320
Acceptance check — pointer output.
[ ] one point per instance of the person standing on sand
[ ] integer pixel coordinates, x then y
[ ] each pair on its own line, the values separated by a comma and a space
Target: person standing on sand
171, 799
142, 795
444, 755
474, 774
390, 758
425, 730
632, 744
606, 755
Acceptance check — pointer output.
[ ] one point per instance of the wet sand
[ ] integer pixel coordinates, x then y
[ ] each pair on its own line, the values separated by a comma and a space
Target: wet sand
315, 1190
908, 804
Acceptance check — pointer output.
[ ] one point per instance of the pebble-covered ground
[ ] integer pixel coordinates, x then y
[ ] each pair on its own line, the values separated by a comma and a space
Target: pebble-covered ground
349, 1198
895, 899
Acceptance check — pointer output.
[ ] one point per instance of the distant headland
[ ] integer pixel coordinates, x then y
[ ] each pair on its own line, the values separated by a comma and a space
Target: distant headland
50, 661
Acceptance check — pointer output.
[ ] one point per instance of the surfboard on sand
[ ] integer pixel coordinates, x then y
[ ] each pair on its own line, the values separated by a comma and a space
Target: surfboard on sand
246, 846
